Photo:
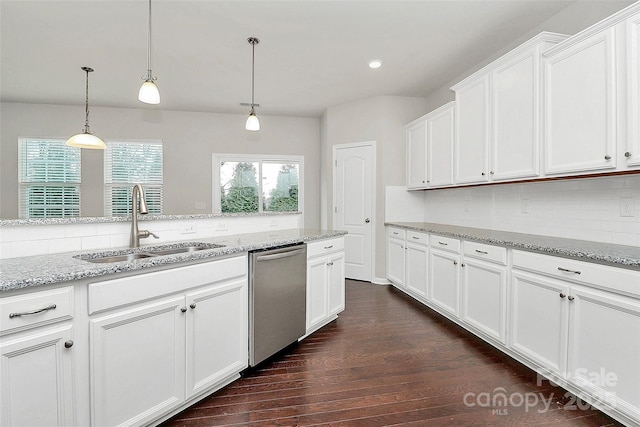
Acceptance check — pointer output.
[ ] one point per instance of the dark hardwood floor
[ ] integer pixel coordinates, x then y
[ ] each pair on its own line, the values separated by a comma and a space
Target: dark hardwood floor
388, 360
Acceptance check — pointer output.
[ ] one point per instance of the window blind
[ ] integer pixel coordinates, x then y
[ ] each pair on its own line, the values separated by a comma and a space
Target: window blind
49, 176
127, 164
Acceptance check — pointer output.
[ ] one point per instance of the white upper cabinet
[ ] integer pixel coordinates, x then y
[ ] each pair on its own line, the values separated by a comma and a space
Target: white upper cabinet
580, 105
472, 130
430, 149
632, 150
416, 134
498, 116
440, 136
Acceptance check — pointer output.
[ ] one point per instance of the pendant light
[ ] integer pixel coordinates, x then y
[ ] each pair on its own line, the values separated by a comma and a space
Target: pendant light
86, 139
252, 121
149, 93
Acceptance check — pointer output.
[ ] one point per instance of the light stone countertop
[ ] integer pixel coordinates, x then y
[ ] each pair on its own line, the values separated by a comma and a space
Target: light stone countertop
582, 250
41, 270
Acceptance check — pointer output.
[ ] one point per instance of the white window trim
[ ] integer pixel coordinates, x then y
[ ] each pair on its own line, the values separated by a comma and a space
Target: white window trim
218, 157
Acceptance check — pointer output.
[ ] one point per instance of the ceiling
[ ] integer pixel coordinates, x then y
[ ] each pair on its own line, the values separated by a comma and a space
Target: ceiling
312, 54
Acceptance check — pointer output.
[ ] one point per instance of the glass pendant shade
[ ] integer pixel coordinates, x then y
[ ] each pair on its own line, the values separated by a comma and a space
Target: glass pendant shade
149, 93
86, 140
252, 122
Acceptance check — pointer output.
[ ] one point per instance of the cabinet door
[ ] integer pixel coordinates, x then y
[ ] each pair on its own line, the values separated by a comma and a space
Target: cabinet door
539, 320
632, 153
395, 261
217, 334
335, 283
440, 148
484, 298
416, 155
516, 133
580, 101
472, 132
317, 292
37, 379
417, 268
604, 347
137, 363
444, 280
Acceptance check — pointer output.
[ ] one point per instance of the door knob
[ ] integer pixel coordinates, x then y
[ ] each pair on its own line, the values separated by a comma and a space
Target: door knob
367, 220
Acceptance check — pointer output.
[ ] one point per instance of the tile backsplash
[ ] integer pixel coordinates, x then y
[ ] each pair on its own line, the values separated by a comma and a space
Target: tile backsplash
17, 241
586, 209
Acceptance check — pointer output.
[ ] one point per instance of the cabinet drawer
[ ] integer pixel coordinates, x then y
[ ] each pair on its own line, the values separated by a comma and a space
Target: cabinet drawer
127, 290
491, 253
35, 309
611, 278
325, 246
445, 243
417, 237
396, 233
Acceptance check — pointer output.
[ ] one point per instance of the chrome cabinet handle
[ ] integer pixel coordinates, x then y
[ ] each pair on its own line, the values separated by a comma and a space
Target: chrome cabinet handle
415, 237
571, 298
330, 263
367, 220
482, 252
29, 313
627, 154
328, 247
183, 309
607, 157
562, 295
192, 305
568, 271
395, 232
443, 243
68, 344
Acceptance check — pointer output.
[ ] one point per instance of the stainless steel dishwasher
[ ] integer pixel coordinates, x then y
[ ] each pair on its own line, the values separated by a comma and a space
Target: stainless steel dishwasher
277, 299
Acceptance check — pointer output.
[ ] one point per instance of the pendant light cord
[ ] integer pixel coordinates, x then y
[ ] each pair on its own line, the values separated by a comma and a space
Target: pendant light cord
149, 76
86, 102
253, 62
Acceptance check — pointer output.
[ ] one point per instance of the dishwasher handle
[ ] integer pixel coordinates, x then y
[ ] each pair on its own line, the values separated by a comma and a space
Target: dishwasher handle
279, 255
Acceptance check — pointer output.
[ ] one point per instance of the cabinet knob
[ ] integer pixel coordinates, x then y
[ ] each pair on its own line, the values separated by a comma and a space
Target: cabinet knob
627, 154
367, 220
571, 298
192, 305
330, 263
483, 174
183, 309
462, 265
68, 344
607, 157
455, 262
562, 295
491, 172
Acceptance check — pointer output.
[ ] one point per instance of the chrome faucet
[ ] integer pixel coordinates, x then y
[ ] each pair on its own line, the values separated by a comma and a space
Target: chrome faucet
136, 235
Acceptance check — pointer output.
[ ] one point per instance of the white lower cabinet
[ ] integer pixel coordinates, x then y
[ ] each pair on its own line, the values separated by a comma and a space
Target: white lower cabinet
417, 268
396, 256
37, 358
325, 282
484, 297
444, 274
37, 378
149, 358
539, 316
408, 261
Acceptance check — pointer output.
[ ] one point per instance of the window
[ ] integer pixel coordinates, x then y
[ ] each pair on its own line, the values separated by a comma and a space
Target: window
237, 187
127, 164
49, 179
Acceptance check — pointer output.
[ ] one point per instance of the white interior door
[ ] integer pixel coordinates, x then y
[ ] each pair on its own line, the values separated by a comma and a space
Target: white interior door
354, 172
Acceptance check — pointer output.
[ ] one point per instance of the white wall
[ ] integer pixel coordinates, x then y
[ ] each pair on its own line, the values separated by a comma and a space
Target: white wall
585, 209
189, 139
379, 119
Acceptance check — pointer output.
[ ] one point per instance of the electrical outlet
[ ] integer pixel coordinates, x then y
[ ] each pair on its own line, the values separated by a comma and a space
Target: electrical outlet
525, 206
189, 228
627, 207
467, 204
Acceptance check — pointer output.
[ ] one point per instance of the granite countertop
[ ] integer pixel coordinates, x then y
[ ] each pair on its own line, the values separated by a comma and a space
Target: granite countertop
39, 270
581, 250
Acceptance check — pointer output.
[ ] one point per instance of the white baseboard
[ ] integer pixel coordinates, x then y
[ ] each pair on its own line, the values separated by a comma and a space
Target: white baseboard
380, 281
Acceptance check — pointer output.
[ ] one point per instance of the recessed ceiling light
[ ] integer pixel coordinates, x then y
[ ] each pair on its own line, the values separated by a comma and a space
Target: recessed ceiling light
375, 63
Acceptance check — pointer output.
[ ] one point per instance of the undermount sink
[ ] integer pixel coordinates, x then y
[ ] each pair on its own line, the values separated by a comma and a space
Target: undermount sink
183, 249
119, 258
171, 249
